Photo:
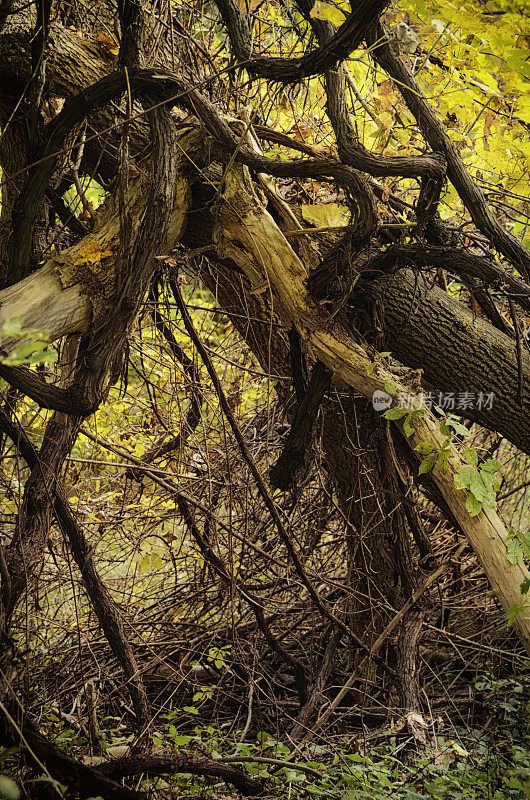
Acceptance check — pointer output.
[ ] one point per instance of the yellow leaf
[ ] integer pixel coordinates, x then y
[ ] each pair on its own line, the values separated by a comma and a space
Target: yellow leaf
91, 253
108, 44
329, 12
328, 215
523, 108
151, 563
460, 751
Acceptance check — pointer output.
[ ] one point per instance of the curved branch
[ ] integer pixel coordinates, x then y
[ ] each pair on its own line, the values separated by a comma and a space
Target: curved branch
45, 394
455, 260
435, 134
290, 70
195, 765
350, 149
178, 91
282, 474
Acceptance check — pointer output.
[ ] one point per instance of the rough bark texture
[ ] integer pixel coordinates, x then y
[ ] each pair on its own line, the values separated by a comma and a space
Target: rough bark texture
457, 351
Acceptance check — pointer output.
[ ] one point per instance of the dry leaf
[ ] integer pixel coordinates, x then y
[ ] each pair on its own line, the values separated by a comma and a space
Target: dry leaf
91, 253
328, 215
107, 44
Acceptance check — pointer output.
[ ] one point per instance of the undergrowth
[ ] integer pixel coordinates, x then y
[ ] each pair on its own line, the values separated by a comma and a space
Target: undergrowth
487, 763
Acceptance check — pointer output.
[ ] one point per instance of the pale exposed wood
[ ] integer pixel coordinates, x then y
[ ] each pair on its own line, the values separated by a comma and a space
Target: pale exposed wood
45, 306
78, 284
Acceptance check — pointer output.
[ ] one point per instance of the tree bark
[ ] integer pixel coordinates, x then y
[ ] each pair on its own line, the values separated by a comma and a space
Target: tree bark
457, 352
424, 328
75, 63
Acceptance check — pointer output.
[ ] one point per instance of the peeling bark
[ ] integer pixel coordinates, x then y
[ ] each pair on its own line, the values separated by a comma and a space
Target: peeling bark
77, 286
45, 306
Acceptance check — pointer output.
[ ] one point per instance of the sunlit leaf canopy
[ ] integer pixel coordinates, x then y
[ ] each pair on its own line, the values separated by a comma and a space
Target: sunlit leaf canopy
470, 59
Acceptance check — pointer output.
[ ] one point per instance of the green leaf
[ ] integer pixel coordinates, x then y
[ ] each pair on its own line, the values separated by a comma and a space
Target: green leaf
477, 486
408, 430
293, 776
488, 481
428, 463
445, 430
525, 586
464, 476
30, 352
513, 612
425, 448
395, 413
457, 426
390, 388
473, 506
443, 459
514, 551
46, 356
491, 465
29, 348
471, 456
490, 501
8, 788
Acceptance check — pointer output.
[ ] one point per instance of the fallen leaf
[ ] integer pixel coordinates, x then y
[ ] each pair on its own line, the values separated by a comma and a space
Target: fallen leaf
328, 215
91, 253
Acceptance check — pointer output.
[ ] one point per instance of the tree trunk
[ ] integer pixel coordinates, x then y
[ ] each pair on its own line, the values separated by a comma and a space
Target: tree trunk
457, 352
